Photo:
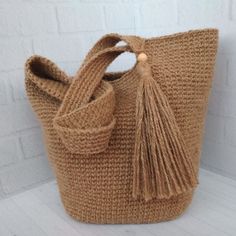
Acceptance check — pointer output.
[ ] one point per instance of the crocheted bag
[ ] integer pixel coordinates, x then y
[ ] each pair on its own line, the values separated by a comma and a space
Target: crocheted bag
125, 146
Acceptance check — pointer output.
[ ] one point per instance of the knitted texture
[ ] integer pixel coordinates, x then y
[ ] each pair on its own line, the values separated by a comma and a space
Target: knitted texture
125, 146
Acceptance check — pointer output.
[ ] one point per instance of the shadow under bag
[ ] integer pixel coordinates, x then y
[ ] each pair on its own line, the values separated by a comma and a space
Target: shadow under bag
125, 146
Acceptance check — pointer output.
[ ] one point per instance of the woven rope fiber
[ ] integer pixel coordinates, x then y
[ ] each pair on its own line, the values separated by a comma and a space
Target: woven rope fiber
125, 146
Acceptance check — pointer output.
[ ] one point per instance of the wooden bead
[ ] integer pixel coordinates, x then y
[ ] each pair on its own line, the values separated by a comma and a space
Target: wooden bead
142, 57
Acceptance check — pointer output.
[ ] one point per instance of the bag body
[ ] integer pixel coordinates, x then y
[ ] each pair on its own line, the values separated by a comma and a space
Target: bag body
90, 126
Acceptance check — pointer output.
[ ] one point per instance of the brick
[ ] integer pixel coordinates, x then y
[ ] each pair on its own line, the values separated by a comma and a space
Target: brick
50, 1
25, 117
27, 19
3, 92
80, 17
104, 1
16, 81
6, 121
25, 174
219, 157
32, 144
9, 151
222, 103
232, 71
63, 49
233, 10
230, 131
57, 1
16, 117
195, 12
214, 128
227, 34
35, 19
1, 193
156, 13
13, 53
8, 22
12, 1
120, 16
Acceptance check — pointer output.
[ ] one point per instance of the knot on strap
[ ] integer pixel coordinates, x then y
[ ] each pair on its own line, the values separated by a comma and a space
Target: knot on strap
87, 129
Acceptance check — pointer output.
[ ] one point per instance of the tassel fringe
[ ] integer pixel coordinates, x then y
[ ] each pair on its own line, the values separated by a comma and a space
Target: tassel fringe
162, 167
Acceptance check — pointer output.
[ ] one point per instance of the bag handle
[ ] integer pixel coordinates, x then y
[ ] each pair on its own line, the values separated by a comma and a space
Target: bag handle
110, 40
75, 121
92, 71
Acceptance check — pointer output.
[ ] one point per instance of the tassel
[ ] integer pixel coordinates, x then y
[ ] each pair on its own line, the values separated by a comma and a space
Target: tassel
162, 167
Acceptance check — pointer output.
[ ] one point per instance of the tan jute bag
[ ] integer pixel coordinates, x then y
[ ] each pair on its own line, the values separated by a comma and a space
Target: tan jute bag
125, 146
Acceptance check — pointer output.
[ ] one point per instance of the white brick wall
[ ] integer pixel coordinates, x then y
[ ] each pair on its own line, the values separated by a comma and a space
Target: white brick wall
63, 30
74, 17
